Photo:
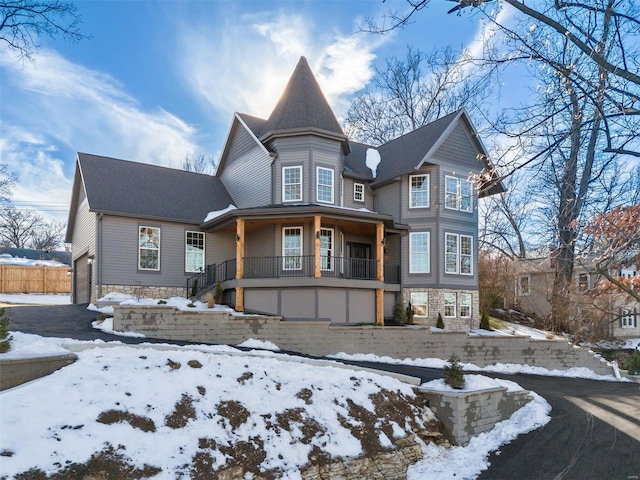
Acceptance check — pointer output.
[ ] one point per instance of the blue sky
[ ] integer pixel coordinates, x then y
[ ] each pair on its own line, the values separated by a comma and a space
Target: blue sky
160, 80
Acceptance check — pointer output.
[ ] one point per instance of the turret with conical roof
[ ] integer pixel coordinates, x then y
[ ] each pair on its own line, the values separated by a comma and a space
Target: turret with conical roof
302, 108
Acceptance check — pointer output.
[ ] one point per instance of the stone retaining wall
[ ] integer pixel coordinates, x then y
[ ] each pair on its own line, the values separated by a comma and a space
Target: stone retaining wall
320, 338
16, 371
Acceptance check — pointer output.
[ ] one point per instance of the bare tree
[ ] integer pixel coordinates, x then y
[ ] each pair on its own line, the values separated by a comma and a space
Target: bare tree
412, 91
7, 180
48, 236
18, 226
198, 163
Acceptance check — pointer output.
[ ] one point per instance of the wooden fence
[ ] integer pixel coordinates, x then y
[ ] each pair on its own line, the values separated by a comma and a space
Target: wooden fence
19, 279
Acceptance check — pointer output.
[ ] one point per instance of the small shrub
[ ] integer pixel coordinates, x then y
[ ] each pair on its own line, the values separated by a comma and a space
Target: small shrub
484, 321
410, 312
633, 365
194, 289
219, 294
440, 322
453, 373
191, 305
209, 298
399, 313
5, 339
162, 301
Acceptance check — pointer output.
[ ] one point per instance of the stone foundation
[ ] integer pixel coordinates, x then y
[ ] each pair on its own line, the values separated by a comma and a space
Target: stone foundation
143, 292
436, 305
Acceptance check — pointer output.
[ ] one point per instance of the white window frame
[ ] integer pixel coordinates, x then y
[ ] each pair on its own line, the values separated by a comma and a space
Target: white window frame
420, 304
448, 296
326, 254
187, 253
457, 254
519, 286
318, 185
465, 303
358, 192
426, 181
286, 257
412, 267
627, 318
463, 190
583, 287
285, 184
140, 247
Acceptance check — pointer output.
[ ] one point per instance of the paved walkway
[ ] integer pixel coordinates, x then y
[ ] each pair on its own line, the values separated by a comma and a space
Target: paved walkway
594, 433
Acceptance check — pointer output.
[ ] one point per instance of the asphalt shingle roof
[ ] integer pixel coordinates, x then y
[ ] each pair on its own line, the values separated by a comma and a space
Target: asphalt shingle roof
128, 188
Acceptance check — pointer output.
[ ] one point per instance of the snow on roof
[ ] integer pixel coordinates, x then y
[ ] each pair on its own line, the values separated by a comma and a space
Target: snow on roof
217, 213
373, 160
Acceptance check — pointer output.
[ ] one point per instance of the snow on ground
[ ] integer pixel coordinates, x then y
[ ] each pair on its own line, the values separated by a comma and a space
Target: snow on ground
35, 299
632, 343
146, 386
508, 368
180, 303
106, 326
8, 259
259, 344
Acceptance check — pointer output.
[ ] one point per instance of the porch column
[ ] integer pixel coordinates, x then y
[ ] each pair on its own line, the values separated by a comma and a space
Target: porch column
316, 246
239, 263
380, 251
379, 306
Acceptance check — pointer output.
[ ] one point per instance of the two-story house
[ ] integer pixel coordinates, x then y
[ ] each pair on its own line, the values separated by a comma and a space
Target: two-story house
297, 220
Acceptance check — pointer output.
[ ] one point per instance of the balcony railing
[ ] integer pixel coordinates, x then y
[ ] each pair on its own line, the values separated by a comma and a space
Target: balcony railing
211, 275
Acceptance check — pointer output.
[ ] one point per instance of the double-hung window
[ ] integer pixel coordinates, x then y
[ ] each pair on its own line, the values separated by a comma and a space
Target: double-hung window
292, 248
419, 246
149, 248
450, 305
465, 305
324, 185
292, 184
458, 256
194, 252
524, 288
419, 191
420, 304
627, 318
358, 192
458, 194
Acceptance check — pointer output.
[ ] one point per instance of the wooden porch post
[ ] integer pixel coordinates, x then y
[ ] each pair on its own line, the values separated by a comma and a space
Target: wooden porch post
239, 263
380, 273
316, 246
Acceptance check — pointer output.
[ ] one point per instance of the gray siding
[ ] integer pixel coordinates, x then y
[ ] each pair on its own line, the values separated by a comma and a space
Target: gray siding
261, 243
84, 230
459, 151
387, 200
246, 172
219, 247
349, 202
420, 216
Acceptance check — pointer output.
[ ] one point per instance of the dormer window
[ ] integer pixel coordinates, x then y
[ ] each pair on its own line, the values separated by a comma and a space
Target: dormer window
358, 192
292, 184
324, 185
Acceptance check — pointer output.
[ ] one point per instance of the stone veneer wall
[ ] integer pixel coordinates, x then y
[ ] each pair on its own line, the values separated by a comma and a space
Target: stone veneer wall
436, 305
145, 292
320, 338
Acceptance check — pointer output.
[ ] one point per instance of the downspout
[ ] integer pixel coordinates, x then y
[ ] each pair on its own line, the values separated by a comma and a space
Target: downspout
99, 256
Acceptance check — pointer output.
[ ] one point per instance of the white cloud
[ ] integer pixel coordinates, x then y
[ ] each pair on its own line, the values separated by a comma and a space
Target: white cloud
248, 71
88, 111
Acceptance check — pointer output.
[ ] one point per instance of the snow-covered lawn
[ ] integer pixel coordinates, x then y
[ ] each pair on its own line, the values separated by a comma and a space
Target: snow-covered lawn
8, 259
35, 299
191, 407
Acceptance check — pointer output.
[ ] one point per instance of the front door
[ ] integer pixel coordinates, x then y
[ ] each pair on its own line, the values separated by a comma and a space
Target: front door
359, 256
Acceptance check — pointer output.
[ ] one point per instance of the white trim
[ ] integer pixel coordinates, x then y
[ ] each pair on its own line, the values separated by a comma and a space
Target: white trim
428, 252
469, 296
458, 253
355, 199
318, 168
140, 227
282, 173
427, 178
455, 304
519, 291
426, 304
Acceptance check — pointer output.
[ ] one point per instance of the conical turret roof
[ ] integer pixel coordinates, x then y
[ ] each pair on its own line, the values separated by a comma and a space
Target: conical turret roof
302, 105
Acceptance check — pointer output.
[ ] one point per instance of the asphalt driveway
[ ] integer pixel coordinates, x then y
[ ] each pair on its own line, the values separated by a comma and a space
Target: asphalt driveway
594, 433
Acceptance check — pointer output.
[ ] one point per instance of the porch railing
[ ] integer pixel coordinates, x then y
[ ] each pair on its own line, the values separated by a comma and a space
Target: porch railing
211, 275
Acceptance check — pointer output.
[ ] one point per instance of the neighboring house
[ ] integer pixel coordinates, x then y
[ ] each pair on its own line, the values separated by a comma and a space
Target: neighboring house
297, 221
533, 287
32, 254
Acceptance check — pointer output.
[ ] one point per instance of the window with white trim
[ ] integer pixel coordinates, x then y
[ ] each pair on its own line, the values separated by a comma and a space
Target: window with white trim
420, 304
419, 247
450, 305
194, 252
523, 287
465, 305
149, 248
326, 249
626, 318
458, 194
584, 282
419, 191
292, 184
358, 192
458, 255
292, 248
324, 184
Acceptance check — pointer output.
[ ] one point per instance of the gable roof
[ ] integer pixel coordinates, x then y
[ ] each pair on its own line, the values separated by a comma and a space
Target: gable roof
132, 189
